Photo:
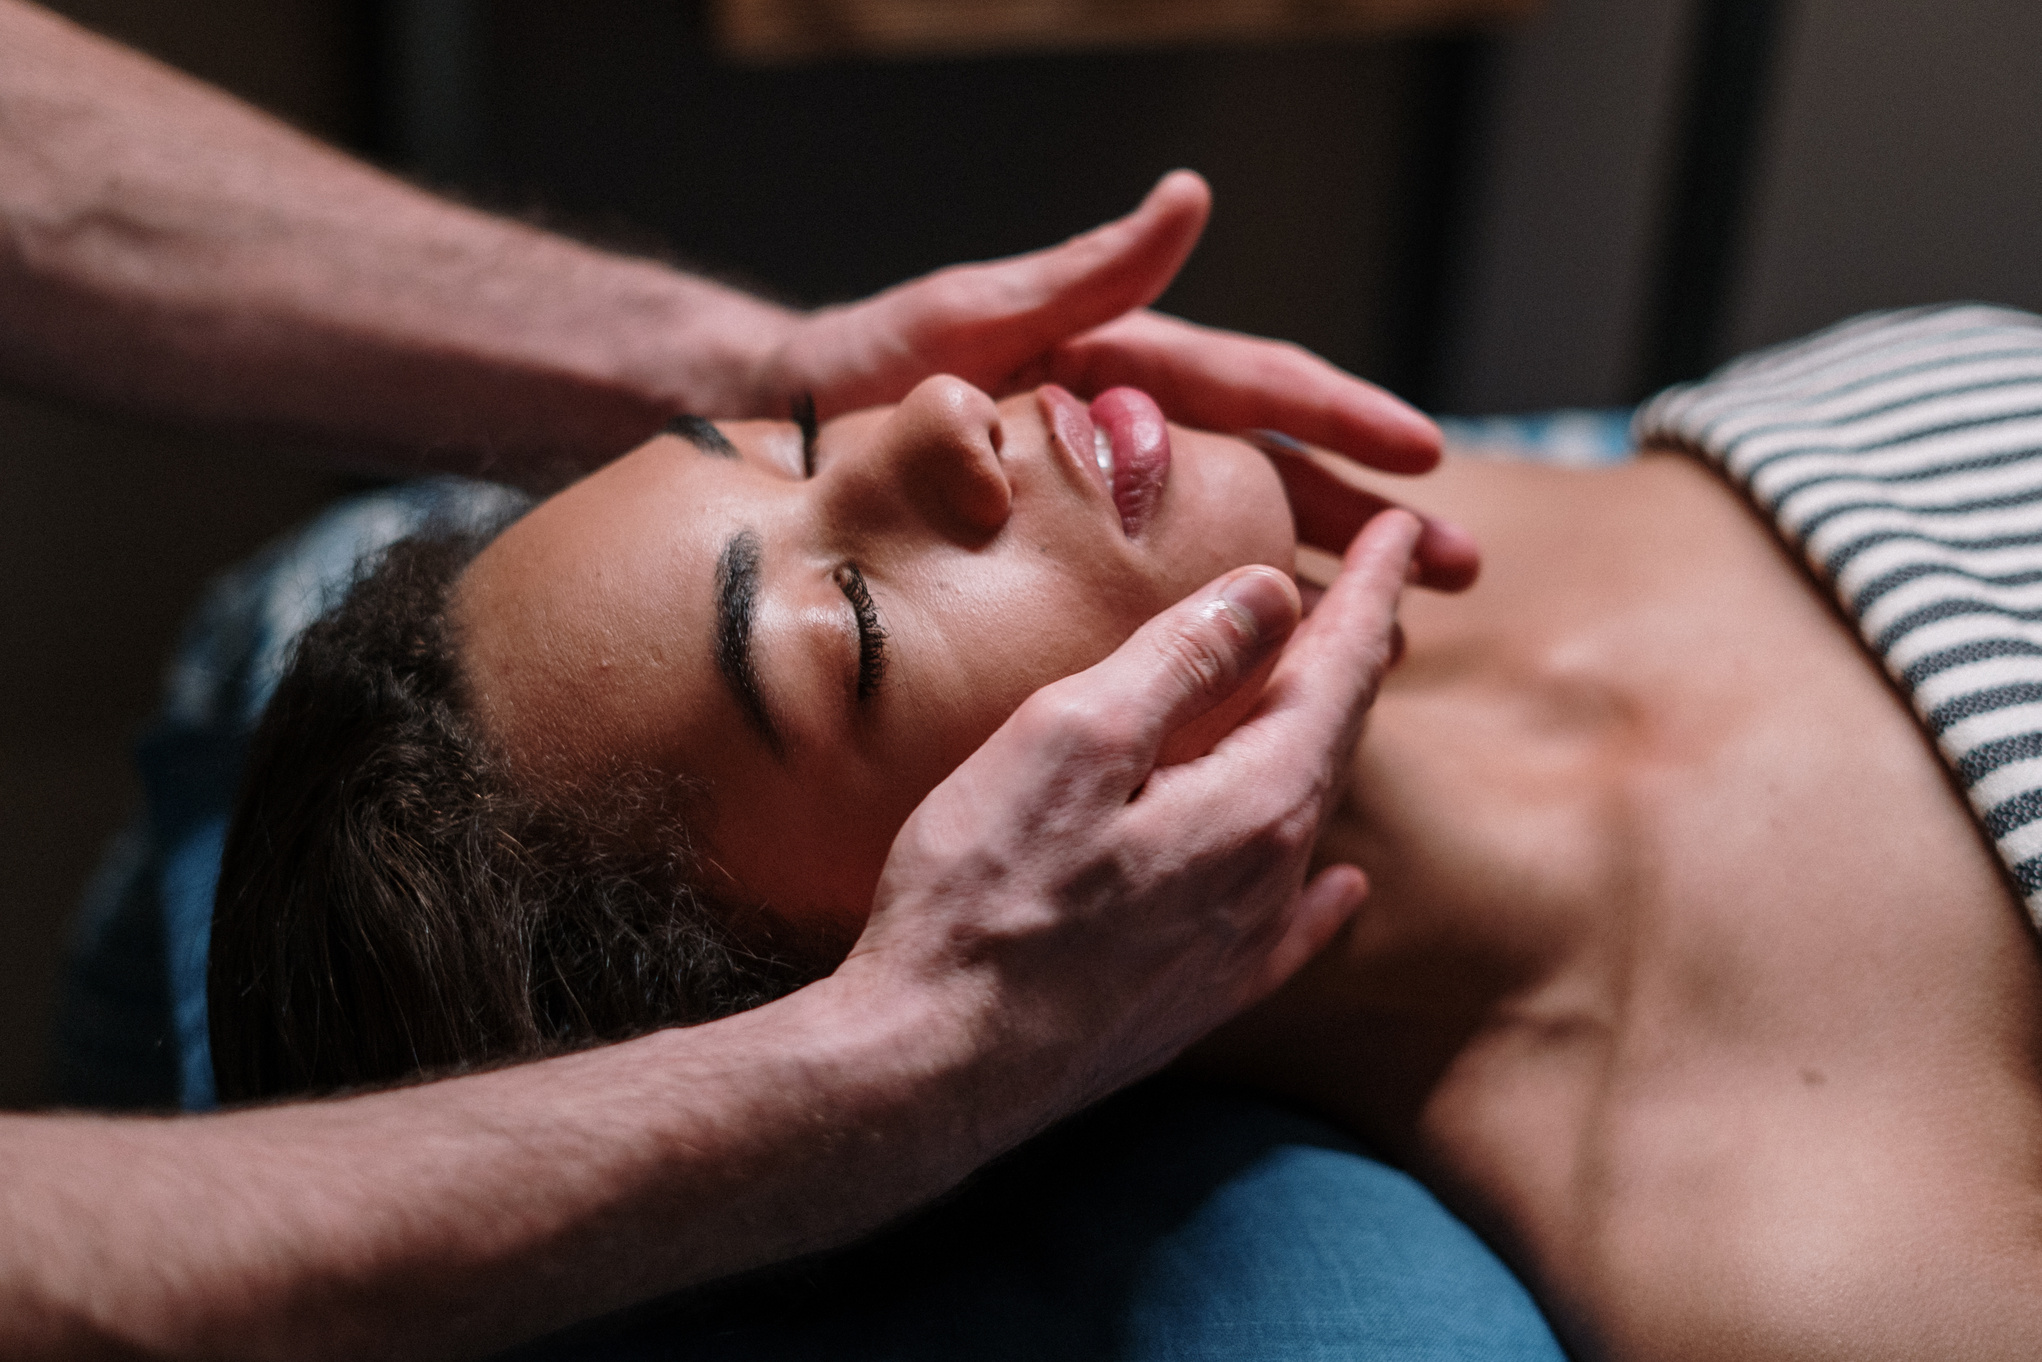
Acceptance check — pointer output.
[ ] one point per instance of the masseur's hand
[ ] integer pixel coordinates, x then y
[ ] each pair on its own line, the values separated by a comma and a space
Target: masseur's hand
1073, 314
1105, 910
1330, 505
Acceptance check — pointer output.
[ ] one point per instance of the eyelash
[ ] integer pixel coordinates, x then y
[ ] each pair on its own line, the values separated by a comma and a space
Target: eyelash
804, 417
871, 634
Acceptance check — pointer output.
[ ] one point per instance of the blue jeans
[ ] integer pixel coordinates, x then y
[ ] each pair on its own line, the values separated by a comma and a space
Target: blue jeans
1175, 1223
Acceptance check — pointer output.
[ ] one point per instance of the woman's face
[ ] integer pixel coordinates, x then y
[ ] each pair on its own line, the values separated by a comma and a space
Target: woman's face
819, 637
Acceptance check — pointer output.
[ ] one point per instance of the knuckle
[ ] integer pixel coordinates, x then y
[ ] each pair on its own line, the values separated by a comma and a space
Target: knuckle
954, 293
1287, 824
1286, 358
1076, 718
1296, 833
1200, 662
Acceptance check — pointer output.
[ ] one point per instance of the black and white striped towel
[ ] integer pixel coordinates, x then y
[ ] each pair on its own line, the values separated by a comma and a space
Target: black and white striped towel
1901, 453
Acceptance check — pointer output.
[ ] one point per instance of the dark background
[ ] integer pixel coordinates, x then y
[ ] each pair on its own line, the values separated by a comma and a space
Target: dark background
1558, 212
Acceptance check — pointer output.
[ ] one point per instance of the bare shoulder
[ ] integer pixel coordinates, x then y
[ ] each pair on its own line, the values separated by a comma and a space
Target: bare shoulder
1688, 977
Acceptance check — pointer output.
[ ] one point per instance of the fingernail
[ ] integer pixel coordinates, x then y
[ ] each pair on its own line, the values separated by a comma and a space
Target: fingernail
1273, 441
1260, 602
1442, 528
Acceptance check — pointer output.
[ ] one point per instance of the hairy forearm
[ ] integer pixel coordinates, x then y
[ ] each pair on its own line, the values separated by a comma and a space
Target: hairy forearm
173, 252
456, 1217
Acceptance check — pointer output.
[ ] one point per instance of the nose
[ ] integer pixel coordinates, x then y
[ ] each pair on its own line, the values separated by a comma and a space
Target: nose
936, 458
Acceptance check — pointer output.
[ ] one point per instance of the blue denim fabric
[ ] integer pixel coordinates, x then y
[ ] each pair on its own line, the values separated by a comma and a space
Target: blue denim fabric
1176, 1223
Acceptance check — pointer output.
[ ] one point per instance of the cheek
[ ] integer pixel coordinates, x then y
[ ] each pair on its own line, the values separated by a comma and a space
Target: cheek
1225, 509
810, 849
972, 638
1022, 628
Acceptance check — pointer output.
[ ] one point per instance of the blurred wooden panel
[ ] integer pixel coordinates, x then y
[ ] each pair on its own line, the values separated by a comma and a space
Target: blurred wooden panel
770, 31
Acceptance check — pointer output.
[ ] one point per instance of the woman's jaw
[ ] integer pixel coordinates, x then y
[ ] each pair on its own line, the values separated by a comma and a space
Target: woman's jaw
947, 557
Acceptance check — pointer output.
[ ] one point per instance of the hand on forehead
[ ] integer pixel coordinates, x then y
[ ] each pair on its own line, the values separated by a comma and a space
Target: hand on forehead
1075, 314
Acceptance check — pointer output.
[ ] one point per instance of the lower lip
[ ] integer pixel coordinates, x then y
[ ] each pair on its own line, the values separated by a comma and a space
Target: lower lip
1141, 453
1131, 421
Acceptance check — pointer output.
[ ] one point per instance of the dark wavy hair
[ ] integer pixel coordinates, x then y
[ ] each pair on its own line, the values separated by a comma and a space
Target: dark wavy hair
392, 903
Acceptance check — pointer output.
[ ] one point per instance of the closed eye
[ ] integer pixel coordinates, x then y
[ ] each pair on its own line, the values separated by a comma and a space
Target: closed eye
871, 633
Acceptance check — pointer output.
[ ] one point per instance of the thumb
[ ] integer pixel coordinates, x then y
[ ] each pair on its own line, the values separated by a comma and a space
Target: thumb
1125, 264
996, 323
1184, 663
1093, 738
1005, 314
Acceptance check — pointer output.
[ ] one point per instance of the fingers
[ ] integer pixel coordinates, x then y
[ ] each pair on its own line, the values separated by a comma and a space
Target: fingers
1311, 712
1075, 314
1081, 746
1330, 510
1098, 275
1224, 381
992, 323
1340, 654
1116, 928
1326, 905
1182, 664
1279, 772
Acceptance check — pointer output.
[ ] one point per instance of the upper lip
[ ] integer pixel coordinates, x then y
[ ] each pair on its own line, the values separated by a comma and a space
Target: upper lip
1072, 431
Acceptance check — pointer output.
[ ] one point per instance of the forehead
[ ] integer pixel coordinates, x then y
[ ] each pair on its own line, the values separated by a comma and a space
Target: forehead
588, 635
583, 628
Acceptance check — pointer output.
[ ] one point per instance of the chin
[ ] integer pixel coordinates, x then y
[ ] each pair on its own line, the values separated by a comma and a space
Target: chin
1223, 508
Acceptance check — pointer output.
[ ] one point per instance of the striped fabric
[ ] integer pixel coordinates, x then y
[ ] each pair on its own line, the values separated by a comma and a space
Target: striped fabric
1901, 453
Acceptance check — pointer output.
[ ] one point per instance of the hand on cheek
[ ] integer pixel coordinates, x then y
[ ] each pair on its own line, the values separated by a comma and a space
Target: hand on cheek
1108, 908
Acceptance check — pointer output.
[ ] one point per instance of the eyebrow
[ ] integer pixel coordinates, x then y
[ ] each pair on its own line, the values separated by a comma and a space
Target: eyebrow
737, 597
702, 433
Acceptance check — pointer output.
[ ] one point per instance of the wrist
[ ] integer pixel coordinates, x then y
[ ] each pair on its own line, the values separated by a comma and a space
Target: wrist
700, 348
969, 1071
929, 1066
914, 1056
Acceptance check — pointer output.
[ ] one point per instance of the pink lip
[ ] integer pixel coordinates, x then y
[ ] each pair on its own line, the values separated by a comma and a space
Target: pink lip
1070, 425
1141, 447
1141, 453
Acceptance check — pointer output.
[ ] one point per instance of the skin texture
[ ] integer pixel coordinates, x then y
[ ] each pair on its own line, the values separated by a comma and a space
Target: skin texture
1686, 977
171, 252
994, 988
989, 546
168, 252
